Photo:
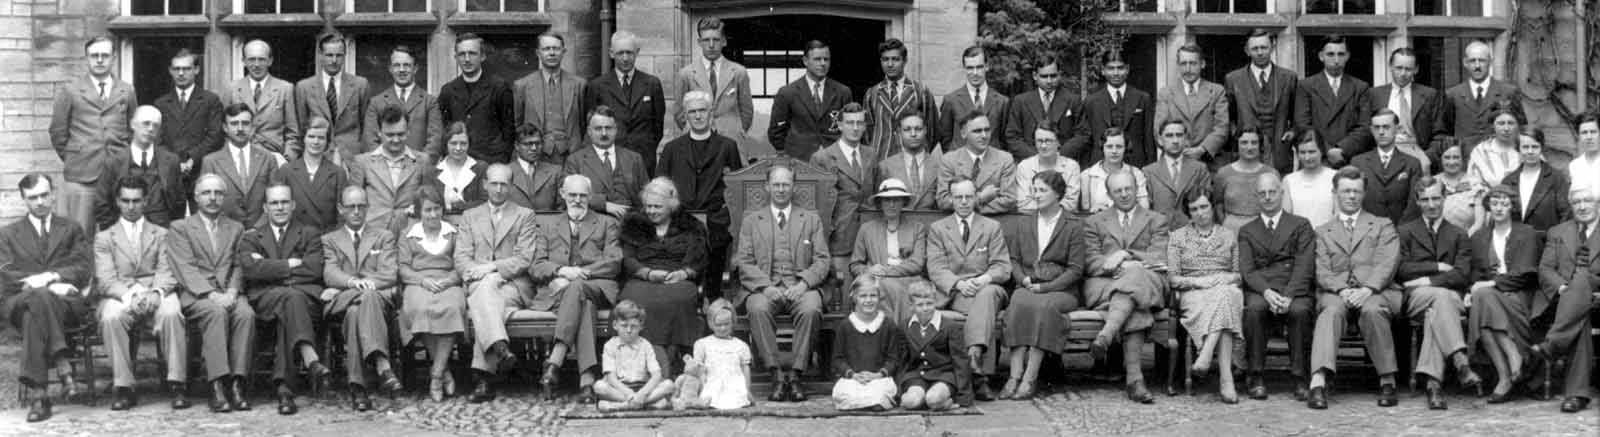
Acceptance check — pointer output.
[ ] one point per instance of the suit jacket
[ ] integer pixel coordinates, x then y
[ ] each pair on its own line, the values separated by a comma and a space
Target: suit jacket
316, 199
997, 170
1133, 114
1421, 251
244, 196
424, 123
531, 93
1427, 112
883, 107
164, 197
122, 260
1026, 112
375, 259
311, 99
732, 107
924, 190
759, 234
855, 189
85, 128
488, 107
200, 266
951, 258
1367, 258
272, 269
193, 130
540, 191
1341, 121
1282, 259
620, 186
1059, 266
1566, 254
1549, 205
1204, 114
641, 110
596, 249
959, 103
1390, 190
872, 247
389, 200
66, 251
941, 357
1166, 194
277, 120
1145, 237
1468, 118
698, 176
1267, 108
1523, 247
799, 125
508, 246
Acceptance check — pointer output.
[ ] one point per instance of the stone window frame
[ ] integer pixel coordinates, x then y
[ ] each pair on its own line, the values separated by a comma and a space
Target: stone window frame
125, 8
239, 7
1378, 8
461, 6
1271, 7
350, 8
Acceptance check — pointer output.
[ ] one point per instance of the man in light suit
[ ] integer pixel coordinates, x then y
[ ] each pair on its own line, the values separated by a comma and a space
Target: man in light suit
1421, 109
974, 95
143, 159
1392, 176
1121, 106
1468, 116
201, 247
781, 260
360, 269
636, 100
992, 169
1567, 275
856, 167
424, 124
1262, 95
247, 168
804, 113
1277, 262
728, 84
1435, 261
897, 94
277, 123
492, 253
89, 120
617, 173
1201, 105
390, 175
133, 274
191, 121
335, 95
915, 165
282, 266
1356, 259
577, 260
552, 100
534, 180
1127, 247
1045, 106
1175, 173
968, 261
47, 264
1334, 104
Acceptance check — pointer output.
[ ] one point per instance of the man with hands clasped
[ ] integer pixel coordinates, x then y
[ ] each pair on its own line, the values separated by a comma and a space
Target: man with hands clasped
782, 258
1356, 259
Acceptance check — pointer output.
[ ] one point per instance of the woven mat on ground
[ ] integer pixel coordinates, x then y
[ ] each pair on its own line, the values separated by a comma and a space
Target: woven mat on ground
816, 408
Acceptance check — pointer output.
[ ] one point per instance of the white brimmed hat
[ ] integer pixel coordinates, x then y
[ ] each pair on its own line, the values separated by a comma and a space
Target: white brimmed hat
890, 188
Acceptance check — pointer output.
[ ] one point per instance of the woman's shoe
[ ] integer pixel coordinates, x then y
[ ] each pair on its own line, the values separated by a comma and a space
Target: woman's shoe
1009, 391
1499, 398
1024, 391
436, 388
449, 384
1199, 372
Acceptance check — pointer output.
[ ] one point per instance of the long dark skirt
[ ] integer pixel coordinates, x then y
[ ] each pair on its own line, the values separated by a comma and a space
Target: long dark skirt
671, 316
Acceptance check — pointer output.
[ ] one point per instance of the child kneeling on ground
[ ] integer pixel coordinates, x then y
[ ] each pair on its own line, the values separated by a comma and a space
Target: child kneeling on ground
866, 352
936, 372
633, 379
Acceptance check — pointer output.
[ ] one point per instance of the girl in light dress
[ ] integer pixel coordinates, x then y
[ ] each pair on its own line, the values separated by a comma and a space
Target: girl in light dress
725, 361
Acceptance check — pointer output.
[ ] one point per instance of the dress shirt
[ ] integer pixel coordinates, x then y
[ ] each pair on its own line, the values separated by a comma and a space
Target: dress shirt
784, 212
1256, 72
1333, 81
40, 225
1480, 89
608, 154
815, 89
1118, 92
403, 92
1395, 94
141, 155
915, 325
322, 78
977, 93
132, 228
1385, 157
1528, 177
1272, 221
1584, 172
851, 153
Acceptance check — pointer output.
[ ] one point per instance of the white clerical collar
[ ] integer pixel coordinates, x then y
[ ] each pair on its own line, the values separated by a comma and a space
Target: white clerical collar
473, 78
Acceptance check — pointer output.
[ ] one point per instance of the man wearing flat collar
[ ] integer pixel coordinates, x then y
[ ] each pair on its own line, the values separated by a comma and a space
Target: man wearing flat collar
330, 94
1468, 116
136, 278
1356, 260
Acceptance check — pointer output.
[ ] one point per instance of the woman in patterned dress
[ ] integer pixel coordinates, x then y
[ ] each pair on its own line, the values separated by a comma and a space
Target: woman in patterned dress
1204, 271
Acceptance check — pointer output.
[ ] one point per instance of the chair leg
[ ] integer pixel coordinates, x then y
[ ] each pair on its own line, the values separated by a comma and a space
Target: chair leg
1188, 367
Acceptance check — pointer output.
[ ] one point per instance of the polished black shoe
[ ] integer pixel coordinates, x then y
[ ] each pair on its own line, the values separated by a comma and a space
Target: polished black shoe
1388, 396
180, 395
236, 397
1137, 392
219, 397
124, 399
390, 383
980, 388
1436, 397
359, 400
481, 392
1317, 398
1258, 388
508, 360
797, 392
39, 411
1531, 365
1574, 404
286, 404
780, 391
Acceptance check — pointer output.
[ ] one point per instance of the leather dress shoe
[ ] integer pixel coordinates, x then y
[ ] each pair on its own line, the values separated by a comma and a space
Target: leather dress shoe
981, 390
359, 400
586, 395
481, 392
319, 375
1499, 398
1137, 392
1388, 396
1317, 399
390, 383
39, 411
780, 391
508, 360
237, 395
1258, 388
124, 399
549, 380
1436, 397
1574, 404
219, 397
286, 404
797, 392
1469, 378
180, 395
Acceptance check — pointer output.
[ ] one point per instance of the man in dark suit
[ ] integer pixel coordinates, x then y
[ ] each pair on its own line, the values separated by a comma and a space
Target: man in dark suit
191, 123
315, 179
1392, 175
88, 121
617, 173
985, 166
45, 266
158, 168
1435, 261
359, 266
1043, 106
336, 95
424, 123
1121, 106
1469, 117
1277, 261
282, 265
974, 95
247, 168
1567, 272
1420, 107
552, 100
1262, 97
534, 179
1174, 173
782, 260
485, 103
1357, 255
576, 262
201, 248
635, 98
915, 165
804, 113
695, 162
1334, 104
856, 168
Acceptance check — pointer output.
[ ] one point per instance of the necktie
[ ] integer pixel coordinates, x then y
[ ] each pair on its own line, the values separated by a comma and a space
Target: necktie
1405, 111
855, 163
1124, 219
211, 229
817, 92
605, 158
183, 99
257, 97
627, 80
1272, 225
333, 100
1478, 93
572, 247
916, 171
102, 90
144, 161
1583, 231
44, 233
966, 230
243, 160
277, 234
1263, 79
1116, 97
1048, 96
977, 98
404, 92
894, 91
783, 220
355, 238
1350, 225
1174, 169
1385, 160
713, 80
1188, 89
977, 163
1334, 83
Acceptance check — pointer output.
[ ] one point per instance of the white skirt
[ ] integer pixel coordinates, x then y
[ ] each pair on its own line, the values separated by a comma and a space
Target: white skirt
851, 395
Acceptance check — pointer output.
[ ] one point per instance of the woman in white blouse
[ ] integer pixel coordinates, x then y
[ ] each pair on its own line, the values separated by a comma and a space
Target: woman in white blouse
1495, 157
1094, 197
459, 176
1308, 192
433, 309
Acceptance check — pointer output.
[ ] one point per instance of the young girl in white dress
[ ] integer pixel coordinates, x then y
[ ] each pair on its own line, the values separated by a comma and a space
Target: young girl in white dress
726, 362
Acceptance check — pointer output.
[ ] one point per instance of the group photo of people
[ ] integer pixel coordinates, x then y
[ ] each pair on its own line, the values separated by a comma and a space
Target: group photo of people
343, 236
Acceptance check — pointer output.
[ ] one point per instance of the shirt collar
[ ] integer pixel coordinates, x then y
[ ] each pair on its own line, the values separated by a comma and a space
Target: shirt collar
975, 156
405, 153
261, 83
465, 165
867, 326
322, 76
935, 320
1051, 219
626, 75
1275, 218
355, 232
185, 91
401, 91
1484, 84
599, 151
785, 211
709, 64
417, 232
39, 223
133, 227
1123, 90
1256, 71
977, 91
812, 83
847, 149
133, 148
1343, 217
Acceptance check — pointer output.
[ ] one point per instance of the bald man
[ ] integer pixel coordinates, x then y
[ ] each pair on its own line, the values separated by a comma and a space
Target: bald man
201, 248
494, 247
277, 127
576, 262
1468, 115
1127, 247
635, 96
360, 270
159, 168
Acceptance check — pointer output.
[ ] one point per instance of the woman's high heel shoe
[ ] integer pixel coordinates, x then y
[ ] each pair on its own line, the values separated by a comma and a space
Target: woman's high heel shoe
1024, 391
1009, 391
436, 388
449, 384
